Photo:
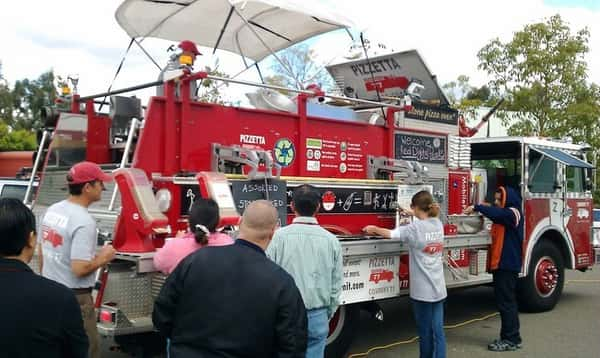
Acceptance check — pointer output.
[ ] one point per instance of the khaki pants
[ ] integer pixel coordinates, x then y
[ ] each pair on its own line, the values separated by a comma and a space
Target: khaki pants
89, 322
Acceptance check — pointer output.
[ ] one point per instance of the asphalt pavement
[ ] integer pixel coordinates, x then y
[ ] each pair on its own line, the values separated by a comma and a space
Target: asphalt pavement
572, 329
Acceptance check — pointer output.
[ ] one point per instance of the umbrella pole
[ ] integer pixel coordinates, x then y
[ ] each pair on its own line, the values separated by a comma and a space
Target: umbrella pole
299, 85
223, 29
262, 80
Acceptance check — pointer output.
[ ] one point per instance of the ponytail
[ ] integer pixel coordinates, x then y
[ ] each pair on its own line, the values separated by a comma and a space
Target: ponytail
203, 220
434, 210
201, 234
424, 201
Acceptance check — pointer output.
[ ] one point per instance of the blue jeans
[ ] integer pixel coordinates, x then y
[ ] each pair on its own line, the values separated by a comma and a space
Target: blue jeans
318, 329
430, 323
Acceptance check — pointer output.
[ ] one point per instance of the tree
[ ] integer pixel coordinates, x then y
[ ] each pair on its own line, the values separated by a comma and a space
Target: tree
542, 72
209, 90
28, 99
467, 98
298, 68
20, 110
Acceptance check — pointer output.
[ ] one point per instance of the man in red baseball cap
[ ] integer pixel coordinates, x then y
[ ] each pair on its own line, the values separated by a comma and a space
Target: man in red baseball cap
69, 242
85, 172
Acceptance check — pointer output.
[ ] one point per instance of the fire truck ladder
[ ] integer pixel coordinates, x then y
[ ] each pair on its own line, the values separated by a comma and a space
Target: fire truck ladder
230, 159
388, 168
131, 134
46, 136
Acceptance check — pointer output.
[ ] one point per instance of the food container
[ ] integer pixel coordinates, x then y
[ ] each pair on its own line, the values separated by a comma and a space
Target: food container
467, 224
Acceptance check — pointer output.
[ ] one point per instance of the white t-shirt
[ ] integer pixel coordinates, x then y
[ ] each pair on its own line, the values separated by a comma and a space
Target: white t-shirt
68, 233
425, 240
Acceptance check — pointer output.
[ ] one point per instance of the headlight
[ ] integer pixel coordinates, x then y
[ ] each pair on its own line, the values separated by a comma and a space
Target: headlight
163, 199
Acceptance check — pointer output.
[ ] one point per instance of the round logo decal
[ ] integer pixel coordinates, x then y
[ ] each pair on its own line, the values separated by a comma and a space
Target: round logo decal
328, 199
284, 152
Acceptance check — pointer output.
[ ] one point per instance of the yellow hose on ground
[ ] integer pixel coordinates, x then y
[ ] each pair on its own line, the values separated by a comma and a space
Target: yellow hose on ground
416, 338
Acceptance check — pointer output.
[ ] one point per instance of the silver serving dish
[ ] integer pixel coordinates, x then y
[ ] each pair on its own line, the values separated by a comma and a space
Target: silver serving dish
467, 224
271, 100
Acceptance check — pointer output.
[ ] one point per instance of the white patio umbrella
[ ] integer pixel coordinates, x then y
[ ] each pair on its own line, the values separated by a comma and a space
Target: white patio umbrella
252, 28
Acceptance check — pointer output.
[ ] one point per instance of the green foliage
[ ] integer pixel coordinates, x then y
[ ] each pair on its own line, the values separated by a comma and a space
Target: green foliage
16, 139
298, 69
209, 90
29, 96
467, 98
542, 73
20, 110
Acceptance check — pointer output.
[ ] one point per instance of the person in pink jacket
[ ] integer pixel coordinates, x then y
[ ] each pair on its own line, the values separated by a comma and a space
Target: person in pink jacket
203, 221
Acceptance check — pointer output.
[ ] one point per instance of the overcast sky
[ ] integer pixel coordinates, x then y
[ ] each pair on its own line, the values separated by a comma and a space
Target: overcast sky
82, 37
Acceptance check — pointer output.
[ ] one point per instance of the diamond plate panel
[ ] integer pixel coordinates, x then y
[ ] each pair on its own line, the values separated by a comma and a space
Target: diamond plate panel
132, 293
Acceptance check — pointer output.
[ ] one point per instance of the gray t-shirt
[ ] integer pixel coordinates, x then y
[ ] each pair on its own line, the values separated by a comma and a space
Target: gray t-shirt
68, 232
425, 240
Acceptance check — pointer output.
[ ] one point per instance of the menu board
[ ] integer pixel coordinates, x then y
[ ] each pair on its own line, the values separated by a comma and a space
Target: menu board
421, 148
274, 190
335, 157
244, 192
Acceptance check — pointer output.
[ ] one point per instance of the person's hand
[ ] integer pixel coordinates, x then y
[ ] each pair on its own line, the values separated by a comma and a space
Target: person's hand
370, 230
107, 253
469, 210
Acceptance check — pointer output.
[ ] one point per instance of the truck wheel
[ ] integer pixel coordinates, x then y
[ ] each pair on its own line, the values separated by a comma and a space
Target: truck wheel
341, 330
540, 290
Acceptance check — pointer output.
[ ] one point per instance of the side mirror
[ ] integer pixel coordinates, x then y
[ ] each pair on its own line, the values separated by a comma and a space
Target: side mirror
589, 186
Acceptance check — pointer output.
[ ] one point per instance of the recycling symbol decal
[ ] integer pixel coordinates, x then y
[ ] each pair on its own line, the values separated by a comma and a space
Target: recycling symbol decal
284, 152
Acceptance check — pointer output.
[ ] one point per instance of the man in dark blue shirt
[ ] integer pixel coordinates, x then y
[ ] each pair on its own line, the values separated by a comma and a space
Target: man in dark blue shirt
40, 317
232, 301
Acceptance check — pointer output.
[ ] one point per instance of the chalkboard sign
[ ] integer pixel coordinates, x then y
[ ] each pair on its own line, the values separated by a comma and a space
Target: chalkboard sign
423, 112
428, 149
246, 191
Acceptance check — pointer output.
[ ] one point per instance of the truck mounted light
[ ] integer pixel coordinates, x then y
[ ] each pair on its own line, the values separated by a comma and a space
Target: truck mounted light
163, 199
107, 316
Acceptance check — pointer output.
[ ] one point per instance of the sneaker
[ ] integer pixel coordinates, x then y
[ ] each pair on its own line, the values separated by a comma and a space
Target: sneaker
503, 345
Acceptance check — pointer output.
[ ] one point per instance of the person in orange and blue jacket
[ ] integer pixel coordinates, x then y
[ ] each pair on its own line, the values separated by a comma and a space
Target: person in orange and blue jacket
504, 262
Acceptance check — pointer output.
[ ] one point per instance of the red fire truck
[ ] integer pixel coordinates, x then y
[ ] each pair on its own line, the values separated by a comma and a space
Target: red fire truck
178, 149
363, 171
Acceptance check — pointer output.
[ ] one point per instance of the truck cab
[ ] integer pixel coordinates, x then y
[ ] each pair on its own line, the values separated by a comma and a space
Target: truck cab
555, 183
